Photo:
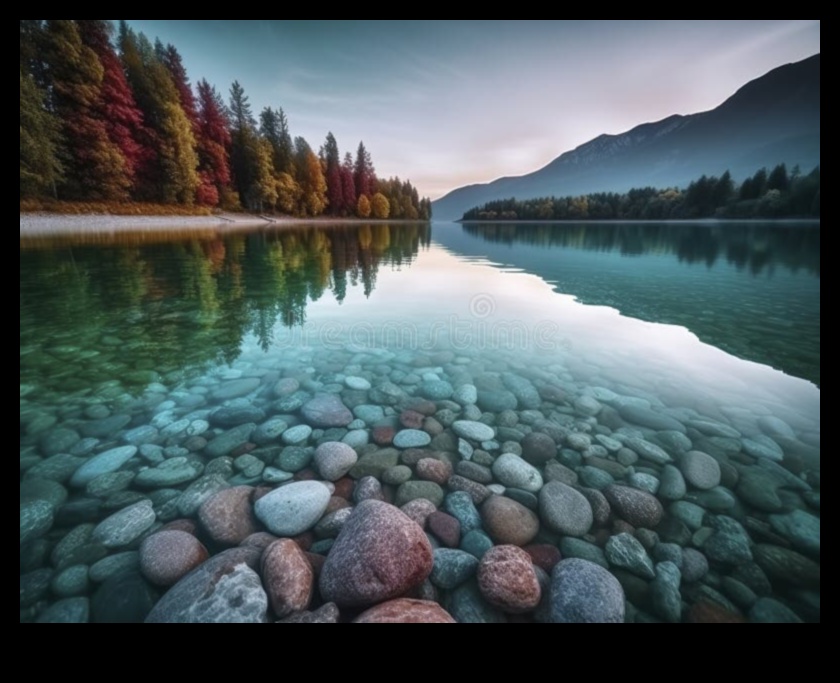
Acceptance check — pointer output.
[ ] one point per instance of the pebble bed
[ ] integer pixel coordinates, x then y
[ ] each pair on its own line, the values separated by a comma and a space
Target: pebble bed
372, 486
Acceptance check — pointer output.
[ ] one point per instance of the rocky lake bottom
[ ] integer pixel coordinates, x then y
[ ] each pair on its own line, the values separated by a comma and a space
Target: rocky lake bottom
367, 483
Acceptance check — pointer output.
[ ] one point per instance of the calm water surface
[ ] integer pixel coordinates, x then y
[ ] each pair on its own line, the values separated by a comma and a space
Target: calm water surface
630, 345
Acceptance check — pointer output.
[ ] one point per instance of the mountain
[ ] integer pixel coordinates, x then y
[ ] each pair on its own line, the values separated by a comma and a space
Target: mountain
772, 119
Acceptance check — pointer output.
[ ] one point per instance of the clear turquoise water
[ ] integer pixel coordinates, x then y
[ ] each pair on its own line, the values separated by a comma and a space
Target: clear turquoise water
701, 323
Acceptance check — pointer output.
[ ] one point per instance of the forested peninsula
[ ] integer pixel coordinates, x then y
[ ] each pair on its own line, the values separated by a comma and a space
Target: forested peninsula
776, 194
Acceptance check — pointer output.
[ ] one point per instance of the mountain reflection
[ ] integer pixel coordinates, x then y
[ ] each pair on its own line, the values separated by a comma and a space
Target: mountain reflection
142, 306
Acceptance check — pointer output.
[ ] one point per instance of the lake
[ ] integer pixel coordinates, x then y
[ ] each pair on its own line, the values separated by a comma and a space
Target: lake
669, 372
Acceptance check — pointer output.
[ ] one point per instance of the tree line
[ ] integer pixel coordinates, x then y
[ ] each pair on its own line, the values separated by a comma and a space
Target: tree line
777, 194
114, 118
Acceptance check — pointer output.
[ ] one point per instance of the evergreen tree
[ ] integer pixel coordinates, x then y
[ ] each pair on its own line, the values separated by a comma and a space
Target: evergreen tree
335, 190
348, 186
96, 168
213, 144
116, 105
364, 176
275, 128
778, 179
40, 169
251, 156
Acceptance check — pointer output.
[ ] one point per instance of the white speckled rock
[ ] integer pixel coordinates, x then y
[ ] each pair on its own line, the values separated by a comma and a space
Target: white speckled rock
291, 510
514, 472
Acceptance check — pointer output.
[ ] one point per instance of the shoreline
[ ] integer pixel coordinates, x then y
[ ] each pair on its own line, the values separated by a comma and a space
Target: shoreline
45, 223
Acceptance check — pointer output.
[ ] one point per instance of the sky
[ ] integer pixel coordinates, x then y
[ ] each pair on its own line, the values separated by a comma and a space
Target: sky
450, 103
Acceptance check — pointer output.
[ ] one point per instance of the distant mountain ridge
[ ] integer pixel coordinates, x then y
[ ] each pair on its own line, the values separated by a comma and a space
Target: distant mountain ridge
770, 120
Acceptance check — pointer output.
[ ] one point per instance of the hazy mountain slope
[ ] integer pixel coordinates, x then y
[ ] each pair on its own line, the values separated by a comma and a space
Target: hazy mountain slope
772, 119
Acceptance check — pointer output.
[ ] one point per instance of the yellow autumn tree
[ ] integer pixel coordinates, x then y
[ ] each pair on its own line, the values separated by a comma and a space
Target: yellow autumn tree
363, 207
380, 206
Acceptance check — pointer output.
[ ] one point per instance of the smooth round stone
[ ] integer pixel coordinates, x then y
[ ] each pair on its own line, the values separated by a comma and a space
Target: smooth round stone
538, 448
125, 598
34, 586
412, 438
431, 469
334, 460
645, 417
296, 436
648, 451
357, 384
71, 582
694, 565
770, 611
595, 478
326, 411
104, 463
68, 611
507, 580
230, 440
356, 438
476, 543
379, 555
418, 510
42, 489
235, 389
108, 484
169, 474
800, 528
583, 592
461, 506
370, 414
497, 401
466, 394
700, 470
288, 576
513, 471
664, 594
412, 490
286, 387
36, 519
198, 492
508, 522
141, 435
167, 556
473, 431
405, 611
58, 441
126, 526
671, 484
290, 510
762, 446
644, 482
396, 476
269, 431
565, 510
639, 508
112, 565
688, 513
774, 427
588, 406
436, 390
452, 568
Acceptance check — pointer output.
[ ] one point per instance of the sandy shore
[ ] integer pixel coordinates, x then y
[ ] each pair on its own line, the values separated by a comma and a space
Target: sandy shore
35, 224
50, 223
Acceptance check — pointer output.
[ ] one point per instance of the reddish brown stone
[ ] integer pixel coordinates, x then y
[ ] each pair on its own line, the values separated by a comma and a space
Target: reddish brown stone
434, 470
543, 556
337, 504
432, 426
446, 528
344, 488
187, 525
228, 516
507, 579
306, 475
383, 436
288, 578
261, 540
305, 540
419, 510
168, 556
704, 612
380, 554
508, 522
411, 419
405, 611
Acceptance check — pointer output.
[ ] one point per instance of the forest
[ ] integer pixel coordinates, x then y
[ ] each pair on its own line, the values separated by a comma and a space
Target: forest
109, 118
777, 194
